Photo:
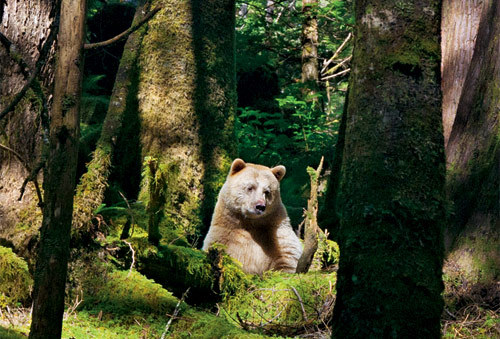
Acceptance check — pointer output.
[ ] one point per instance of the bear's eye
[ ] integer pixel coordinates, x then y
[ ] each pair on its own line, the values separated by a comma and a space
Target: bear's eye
267, 193
250, 188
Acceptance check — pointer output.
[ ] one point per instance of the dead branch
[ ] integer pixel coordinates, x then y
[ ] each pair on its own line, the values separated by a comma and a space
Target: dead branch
133, 257
337, 66
304, 315
30, 178
311, 224
176, 311
124, 34
337, 52
336, 74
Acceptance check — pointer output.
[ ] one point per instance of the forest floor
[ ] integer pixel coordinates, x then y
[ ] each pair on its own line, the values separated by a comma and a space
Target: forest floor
468, 314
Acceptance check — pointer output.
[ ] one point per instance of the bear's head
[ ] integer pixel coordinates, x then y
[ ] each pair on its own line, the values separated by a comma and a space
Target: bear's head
252, 191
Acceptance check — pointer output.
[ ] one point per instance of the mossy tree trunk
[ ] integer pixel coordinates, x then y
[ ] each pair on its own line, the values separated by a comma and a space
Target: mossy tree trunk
187, 102
391, 190
122, 104
309, 40
473, 159
59, 175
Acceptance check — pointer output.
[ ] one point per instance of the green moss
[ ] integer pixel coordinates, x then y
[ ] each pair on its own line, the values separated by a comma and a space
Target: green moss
15, 280
124, 292
200, 325
277, 301
7, 333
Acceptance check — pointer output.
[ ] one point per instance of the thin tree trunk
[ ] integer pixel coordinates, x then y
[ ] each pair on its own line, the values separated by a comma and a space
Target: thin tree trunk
93, 184
391, 192
460, 21
59, 176
473, 157
310, 74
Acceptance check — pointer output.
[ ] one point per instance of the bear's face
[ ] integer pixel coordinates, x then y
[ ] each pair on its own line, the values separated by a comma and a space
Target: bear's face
252, 191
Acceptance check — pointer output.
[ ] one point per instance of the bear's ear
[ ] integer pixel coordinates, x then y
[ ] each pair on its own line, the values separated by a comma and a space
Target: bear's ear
237, 166
279, 172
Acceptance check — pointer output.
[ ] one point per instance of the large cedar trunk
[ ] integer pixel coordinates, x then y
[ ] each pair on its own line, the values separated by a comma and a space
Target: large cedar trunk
391, 191
21, 129
59, 175
186, 104
473, 159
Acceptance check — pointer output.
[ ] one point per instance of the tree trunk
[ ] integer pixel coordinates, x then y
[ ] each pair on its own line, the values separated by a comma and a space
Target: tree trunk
460, 21
473, 159
391, 191
122, 104
59, 176
26, 26
187, 102
310, 74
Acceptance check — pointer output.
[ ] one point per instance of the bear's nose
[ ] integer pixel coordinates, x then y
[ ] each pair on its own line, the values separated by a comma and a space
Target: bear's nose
260, 207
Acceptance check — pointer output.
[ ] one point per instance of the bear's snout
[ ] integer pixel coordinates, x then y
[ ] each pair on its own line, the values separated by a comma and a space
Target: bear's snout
260, 207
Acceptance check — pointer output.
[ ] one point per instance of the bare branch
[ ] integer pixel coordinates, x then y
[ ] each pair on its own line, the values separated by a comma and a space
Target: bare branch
337, 66
337, 52
176, 311
304, 315
336, 74
124, 34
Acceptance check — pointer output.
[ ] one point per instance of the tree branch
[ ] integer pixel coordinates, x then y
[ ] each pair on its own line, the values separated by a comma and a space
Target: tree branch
30, 178
124, 34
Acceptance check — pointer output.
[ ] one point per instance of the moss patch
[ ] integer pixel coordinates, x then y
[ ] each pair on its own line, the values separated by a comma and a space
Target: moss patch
15, 280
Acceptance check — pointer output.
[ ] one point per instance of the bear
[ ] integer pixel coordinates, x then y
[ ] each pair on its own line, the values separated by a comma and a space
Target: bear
251, 220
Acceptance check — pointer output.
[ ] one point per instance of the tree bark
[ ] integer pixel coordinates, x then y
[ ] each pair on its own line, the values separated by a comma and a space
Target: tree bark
123, 102
473, 159
187, 102
26, 26
460, 21
391, 192
59, 176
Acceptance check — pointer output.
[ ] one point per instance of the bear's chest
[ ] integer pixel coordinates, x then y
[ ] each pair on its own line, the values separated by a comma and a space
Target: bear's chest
255, 250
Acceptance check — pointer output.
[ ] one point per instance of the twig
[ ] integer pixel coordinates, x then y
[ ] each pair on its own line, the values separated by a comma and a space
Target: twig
337, 66
30, 178
337, 52
304, 315
176, 311
123, 34
133, 257
336, 74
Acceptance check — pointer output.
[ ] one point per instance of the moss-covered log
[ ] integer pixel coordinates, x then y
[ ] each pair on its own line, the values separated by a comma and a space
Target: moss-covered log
186, 103
177, 268
473, 157
391, 193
